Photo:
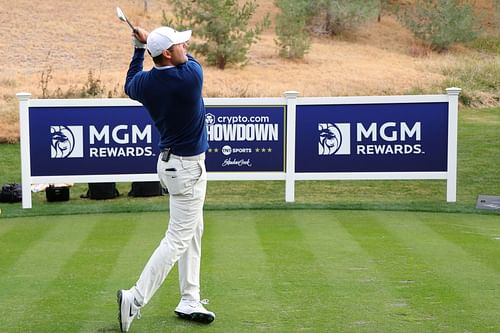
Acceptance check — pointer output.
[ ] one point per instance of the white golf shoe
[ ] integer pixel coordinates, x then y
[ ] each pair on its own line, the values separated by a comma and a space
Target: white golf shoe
128, 309
195, 311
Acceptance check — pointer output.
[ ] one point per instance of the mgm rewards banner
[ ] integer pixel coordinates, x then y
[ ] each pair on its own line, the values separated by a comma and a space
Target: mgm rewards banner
119, 140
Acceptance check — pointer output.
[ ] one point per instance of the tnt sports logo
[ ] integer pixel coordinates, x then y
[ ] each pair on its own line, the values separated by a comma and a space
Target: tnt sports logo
334, 139
66, 141
227, 150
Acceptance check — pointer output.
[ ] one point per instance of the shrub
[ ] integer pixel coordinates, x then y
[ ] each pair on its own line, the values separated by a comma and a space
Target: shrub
440, 22
291, 28
386, 7
332, 17
222, 26
339, 16
496, 15
93, 88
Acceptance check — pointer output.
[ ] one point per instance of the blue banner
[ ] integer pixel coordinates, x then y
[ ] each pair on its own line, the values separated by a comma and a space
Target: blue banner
114, 140
92, 141
246, 138
406, 137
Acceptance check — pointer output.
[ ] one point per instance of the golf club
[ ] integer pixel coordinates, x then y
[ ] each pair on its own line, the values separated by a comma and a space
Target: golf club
123, 18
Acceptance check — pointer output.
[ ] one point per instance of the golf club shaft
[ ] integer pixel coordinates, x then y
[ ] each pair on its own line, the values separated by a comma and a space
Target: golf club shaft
130, 24
123, 17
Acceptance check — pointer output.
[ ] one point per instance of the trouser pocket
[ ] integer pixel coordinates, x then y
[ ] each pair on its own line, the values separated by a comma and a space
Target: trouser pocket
179, 176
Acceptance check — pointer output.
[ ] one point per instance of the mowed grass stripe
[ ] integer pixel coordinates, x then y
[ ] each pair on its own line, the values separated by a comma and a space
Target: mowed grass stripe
65, 303
16, 238
477, 285
141, 240
6, 225
425, 298
479, 236
299, 283
236, 273
47, 243
362, 300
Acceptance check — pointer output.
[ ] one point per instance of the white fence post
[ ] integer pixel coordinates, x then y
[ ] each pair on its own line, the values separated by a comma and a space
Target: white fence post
25, 147
451, 183
291, 106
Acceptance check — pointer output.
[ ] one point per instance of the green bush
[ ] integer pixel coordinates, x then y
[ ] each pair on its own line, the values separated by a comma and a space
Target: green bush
386, 7
291, 28
496, 15
332, 17
339, 16
222, 26
441, 22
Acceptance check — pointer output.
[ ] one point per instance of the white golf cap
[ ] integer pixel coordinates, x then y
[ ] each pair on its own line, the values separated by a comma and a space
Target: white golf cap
163, 38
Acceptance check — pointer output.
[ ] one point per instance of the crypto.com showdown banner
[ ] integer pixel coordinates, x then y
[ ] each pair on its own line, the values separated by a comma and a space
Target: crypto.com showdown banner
290, 138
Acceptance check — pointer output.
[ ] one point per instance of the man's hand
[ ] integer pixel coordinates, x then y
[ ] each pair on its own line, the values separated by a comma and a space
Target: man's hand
141, 35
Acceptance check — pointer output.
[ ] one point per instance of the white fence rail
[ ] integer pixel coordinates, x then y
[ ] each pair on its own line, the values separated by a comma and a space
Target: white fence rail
296, 144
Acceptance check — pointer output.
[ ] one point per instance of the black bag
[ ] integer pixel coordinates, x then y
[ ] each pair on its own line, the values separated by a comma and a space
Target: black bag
145, 189
100, 191
57, 193
11, 193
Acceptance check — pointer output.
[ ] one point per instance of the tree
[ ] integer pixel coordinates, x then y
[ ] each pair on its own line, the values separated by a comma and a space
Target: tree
496, 15
291, 28
222, 27
385, 6
441, 22
339, 16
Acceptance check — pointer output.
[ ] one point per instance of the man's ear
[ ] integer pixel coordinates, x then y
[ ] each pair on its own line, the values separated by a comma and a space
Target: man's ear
167, 54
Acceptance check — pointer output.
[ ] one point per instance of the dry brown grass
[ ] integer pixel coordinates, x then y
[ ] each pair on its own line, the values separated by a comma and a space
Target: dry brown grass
73, 37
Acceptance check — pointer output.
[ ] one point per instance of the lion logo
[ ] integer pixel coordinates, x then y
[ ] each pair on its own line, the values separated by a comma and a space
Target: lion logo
62, 141
330, 139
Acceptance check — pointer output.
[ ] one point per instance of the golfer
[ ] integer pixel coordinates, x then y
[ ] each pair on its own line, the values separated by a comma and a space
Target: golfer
172, 93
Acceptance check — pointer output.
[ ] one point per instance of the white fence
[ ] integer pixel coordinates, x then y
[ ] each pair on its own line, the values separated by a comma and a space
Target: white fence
31, 140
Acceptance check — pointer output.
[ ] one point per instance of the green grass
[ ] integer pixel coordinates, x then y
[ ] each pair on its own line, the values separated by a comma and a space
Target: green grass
263, 270
337, 260
478, 161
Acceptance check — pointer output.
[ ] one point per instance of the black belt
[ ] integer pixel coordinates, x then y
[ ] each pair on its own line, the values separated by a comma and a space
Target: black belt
166, 154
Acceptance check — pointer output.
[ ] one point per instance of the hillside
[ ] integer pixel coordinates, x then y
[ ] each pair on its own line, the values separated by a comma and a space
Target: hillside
67, 39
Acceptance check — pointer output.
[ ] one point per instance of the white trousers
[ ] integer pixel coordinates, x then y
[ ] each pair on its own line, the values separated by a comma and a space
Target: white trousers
186, 181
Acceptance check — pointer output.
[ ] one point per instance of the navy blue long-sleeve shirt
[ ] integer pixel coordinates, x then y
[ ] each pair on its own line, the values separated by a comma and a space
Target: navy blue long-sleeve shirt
173, 98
